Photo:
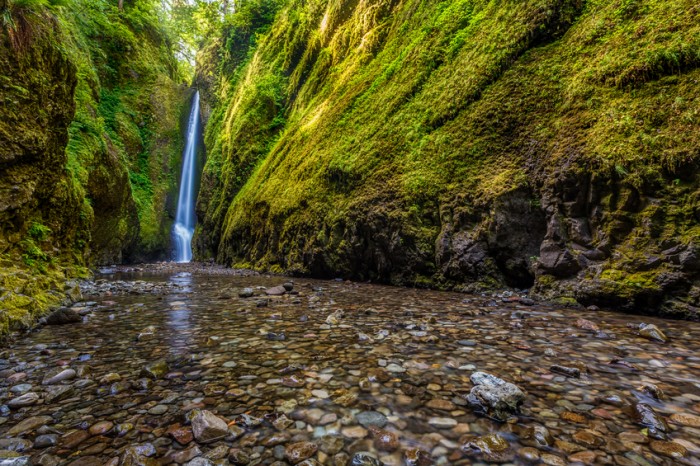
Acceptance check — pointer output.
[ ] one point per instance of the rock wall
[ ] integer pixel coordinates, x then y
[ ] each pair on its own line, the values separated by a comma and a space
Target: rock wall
462, 144
90, 144
37, 107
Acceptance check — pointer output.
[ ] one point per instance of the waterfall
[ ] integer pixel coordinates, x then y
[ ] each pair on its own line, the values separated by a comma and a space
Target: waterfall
184, 220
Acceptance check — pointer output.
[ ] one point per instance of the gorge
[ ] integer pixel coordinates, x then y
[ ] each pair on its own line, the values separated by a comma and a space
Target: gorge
401, 232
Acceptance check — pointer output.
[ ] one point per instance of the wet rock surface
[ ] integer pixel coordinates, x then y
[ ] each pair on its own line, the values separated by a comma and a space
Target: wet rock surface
175, 368
494, 396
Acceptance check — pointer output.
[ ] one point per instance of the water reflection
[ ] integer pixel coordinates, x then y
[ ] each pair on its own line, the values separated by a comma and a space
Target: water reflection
179, 315
183, 279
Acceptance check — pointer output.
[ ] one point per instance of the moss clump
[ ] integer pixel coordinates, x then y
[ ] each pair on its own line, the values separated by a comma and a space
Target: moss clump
28, 291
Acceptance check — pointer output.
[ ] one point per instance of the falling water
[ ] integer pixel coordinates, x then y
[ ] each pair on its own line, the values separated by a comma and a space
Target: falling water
184, 220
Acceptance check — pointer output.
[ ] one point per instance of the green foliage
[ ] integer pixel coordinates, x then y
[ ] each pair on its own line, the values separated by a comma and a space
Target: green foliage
39, 232
26, 20
32, 253
123, 144
125, 140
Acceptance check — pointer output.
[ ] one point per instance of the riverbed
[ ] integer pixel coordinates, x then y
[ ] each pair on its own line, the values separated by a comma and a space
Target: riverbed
335, 373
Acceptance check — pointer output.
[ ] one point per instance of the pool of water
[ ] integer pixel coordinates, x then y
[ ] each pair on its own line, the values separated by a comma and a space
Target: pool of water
341, 373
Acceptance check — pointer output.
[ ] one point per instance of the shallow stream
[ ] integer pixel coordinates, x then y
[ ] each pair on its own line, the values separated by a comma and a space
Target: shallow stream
349, 373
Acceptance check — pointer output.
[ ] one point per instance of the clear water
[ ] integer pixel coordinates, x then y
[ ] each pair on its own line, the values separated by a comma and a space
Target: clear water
405, 353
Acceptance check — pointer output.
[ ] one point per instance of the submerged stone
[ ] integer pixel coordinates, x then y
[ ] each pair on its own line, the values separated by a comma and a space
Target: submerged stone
652, 332
63, 316
371, 418
492, 447
655, 424
207, 427
155, 370
494, 397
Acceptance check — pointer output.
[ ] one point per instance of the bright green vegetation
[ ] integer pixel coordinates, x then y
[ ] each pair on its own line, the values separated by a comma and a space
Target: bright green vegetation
125, 138
359, 137
91, 133
461, 144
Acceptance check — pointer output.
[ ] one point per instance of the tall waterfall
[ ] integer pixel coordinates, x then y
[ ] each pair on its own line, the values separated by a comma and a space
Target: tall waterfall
184, 220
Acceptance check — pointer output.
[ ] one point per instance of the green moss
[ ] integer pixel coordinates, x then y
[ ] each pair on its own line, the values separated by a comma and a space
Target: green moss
632, 281
126, 139
95, 192
275, 268
26, 294
342, 115
566, 301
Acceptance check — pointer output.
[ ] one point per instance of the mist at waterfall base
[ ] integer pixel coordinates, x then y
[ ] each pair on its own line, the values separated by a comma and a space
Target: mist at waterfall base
185, 217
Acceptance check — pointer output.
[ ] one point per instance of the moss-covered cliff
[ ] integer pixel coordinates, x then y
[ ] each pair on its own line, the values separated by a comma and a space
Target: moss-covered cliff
461, 143
89, 144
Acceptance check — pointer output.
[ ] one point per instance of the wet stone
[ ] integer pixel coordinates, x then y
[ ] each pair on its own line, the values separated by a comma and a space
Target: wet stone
55, 393
371, 419
443, 405
585, 457
331, 444
16, 461
28, 399
529, 454
552, 460
669, 449
45, 441
567, 371
183, 435
238, 456
349, 349
689, 420
537, 436
123, 428
87, 461
15, 444
21, 388
30, 424
74, 438
384, 440
63, 316
297, 452
207, 427
58, 375
158, 410
276, 291
442, 422
155, 370
586, 325
588, 439
417, 457
494, 396
364, 459
183, 456
492, 447
652, 332
101, 428
646, 416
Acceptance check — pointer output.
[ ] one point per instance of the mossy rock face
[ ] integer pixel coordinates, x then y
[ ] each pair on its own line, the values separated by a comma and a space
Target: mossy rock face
90, 144
461, 144
37, 107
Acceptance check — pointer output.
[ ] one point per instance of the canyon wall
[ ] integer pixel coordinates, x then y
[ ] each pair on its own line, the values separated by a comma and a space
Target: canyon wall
465, 144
